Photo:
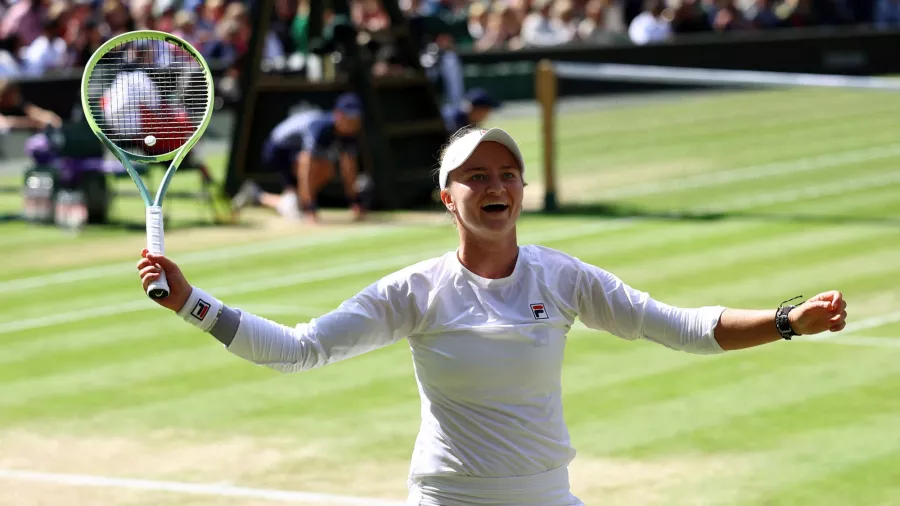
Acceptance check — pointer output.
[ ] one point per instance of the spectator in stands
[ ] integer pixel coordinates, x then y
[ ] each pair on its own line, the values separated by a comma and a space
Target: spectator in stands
164, 11
595, 27
762, 15
727, 17
9, 64
478, 17
209, 15
475, 110
650, 25
543, 26
502, 31
16, 113
142, 14
116, 19
25, 20
302, 149
186, 27
281, 41
689, 16
47, 52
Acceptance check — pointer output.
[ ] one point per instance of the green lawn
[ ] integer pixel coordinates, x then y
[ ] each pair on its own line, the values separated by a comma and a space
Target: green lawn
742, 199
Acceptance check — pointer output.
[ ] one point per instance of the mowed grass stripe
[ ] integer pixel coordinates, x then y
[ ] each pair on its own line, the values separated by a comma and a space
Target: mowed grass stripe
680, 263
815, 455
828, 267
720, 403
760, 130
695, 373
218, 408
878, 204
782, 190
698, 110
775, 428
304, 264
585, 152
867, 478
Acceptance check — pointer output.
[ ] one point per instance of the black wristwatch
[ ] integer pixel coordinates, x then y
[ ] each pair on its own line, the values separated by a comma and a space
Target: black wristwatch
783, 324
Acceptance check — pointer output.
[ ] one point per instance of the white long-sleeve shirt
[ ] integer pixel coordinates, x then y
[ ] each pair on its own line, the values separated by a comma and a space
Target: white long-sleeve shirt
487, 353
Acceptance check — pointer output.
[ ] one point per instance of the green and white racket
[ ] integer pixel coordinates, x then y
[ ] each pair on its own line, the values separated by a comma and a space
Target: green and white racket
148, 95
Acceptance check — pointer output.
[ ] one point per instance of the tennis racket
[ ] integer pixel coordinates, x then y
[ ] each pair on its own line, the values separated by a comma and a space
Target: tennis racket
148, 96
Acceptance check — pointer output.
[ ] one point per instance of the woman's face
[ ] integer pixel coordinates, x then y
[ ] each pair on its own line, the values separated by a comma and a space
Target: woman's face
485, 193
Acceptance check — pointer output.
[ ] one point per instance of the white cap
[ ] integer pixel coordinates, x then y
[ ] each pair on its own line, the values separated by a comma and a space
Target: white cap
462, 148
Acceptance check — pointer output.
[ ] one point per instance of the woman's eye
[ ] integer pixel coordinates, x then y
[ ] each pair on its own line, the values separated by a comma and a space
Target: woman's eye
477, 177
509, 175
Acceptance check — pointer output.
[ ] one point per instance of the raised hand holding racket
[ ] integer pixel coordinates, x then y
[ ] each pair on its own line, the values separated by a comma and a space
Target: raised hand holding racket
148, 96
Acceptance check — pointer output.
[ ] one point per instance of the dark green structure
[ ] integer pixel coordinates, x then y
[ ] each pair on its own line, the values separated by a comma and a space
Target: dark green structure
403, 127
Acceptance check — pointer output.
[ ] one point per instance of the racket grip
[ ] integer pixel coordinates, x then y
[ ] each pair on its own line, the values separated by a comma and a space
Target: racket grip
158, 289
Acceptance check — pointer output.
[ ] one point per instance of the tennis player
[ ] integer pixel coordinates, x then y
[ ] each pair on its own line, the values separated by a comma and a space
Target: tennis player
487, 327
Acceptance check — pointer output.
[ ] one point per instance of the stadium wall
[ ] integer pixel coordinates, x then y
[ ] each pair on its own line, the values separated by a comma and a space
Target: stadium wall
844, 51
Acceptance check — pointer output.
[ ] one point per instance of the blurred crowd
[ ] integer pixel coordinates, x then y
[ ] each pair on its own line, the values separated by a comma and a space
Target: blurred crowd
37, 36
483, 25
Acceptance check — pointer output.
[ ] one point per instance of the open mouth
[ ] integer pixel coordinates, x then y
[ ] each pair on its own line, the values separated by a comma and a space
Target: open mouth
495, 208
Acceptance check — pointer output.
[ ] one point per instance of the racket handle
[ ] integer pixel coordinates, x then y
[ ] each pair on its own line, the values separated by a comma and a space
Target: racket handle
158, 289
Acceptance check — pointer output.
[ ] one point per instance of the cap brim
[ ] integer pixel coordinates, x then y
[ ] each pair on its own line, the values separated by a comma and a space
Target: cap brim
461, 149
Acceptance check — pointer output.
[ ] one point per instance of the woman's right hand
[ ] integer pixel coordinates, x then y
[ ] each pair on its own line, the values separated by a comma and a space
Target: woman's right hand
149, 267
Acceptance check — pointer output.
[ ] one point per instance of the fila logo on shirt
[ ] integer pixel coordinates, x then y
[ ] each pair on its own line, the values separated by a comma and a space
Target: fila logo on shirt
200, 309
539, 312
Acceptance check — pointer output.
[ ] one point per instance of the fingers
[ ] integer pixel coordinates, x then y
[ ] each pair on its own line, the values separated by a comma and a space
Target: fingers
836, 300
163, 262
838, 326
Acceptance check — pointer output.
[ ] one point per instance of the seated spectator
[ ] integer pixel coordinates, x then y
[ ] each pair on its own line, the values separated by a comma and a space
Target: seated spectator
142, 14
47, 52
9, 64
186, 27
727, 17
689, 16
542, 28
762, 15
24, 18
502, 30
564, 20
165, 11
593, 29
798, 13
116, 20
650, 26
478, 16
16, 113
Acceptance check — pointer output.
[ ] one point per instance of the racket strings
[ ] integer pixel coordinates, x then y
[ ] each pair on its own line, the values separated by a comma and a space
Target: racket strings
149, 90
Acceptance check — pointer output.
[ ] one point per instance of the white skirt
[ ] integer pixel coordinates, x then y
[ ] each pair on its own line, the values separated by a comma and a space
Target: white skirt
545, 489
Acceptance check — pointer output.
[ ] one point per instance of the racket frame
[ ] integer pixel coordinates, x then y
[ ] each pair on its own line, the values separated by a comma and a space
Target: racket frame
159, 289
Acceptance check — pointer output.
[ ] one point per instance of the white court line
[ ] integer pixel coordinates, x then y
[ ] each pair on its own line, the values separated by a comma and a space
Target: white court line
755, 172
859, 326
806, 192
291, 280
197, 257
656, 187
865, 341
220, 490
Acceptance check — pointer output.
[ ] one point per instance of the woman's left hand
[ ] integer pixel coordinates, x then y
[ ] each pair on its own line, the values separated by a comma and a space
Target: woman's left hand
826, 311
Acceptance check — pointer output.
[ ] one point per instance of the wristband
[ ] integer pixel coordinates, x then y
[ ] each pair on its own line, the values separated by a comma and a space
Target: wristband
201, 310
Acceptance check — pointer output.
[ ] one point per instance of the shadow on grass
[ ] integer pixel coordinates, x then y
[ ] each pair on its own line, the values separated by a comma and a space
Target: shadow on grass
139, 226
618, 210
